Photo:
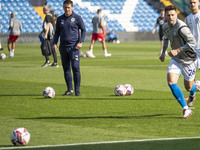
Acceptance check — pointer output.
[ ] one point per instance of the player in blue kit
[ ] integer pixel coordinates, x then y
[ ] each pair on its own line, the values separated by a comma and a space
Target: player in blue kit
68, 27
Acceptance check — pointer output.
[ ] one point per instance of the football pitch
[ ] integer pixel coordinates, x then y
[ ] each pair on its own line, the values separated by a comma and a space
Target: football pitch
150, 119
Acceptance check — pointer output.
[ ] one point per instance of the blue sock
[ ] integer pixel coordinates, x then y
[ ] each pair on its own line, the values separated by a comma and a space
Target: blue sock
193, 90
178, 94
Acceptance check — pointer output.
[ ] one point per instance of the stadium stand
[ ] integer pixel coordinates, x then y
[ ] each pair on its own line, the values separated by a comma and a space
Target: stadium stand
182, 5
169, 2
121, 15
30, 19
144, 16
156, 4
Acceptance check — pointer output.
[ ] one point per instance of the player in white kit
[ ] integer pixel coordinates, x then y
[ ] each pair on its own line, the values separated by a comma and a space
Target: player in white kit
193, 22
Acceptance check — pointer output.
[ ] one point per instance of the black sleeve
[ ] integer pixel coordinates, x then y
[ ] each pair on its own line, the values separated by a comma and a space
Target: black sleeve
57, 32
48, 19
157, 21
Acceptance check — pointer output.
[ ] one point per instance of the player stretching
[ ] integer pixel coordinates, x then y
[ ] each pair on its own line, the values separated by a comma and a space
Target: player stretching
193, 22
183, 56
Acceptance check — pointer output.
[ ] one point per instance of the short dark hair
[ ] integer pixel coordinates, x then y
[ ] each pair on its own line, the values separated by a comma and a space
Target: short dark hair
98, 11
12, 15
170, 7
162, 9
67, 2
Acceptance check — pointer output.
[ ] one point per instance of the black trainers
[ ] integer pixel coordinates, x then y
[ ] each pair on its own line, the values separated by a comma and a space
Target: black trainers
1, 48
46, 64
68, 93
54, 65
77, 93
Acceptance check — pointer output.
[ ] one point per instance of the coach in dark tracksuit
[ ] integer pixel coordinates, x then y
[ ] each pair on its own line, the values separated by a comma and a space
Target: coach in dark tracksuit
67, 28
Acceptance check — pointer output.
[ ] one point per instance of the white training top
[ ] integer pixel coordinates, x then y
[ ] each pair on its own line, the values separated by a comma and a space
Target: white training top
181, 37
193, 22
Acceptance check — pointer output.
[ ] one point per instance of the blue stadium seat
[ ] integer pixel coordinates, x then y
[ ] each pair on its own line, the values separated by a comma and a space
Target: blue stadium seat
20, 4
32, 26
23, 8
28, 21
4, 30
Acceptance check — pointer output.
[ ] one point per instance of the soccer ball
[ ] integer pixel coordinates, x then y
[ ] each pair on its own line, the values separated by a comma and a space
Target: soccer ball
120, 90
197, 85
129, 89
2, 56
87, 54
48, 92
20, 136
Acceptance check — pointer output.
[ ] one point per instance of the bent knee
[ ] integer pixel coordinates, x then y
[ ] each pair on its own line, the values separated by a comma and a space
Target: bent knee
188, 88
171, 82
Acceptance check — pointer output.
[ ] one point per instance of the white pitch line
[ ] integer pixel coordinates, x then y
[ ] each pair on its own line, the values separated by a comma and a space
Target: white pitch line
105, 142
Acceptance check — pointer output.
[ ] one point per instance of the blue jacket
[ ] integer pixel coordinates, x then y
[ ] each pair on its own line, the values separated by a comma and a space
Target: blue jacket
68, 29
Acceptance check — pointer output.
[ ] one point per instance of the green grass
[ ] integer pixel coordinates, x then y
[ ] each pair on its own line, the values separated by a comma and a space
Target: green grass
150, 113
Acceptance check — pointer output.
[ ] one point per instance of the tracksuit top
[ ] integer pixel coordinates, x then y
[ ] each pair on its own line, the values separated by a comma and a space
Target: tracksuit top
193, 22
68, 29
181, 37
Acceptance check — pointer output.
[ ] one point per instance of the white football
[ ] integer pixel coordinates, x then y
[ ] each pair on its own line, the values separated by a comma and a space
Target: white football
197, 85
120, 90
48, 92
20, 136
2, 56
129, 89
87, 54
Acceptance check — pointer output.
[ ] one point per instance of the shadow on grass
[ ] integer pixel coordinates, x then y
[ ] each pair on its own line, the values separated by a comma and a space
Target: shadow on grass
104, 117
109, 97
21, 95
6, 145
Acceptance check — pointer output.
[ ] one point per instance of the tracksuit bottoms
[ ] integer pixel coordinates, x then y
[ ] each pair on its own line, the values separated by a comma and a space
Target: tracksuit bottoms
70, 58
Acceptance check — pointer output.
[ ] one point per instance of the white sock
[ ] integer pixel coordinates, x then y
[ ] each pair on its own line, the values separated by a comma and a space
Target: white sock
186, 107
105, 51
91, 50
0, 45
12, 51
